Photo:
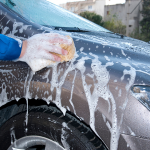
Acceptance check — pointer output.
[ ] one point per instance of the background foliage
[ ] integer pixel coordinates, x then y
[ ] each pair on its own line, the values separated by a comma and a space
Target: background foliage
92, 17
145, 22
115, 25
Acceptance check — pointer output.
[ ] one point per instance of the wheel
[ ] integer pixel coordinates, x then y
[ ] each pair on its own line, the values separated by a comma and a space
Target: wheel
47, 129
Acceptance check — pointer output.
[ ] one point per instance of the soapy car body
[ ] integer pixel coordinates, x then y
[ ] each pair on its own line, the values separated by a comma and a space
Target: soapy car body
96, 86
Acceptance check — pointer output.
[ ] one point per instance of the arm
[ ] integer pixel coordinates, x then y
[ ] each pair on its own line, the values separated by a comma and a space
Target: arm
10, 49
38, 46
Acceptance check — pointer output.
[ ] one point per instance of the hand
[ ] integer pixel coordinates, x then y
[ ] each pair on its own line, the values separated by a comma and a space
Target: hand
41, 46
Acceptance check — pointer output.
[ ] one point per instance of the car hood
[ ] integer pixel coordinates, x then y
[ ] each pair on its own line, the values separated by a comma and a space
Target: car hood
116, 40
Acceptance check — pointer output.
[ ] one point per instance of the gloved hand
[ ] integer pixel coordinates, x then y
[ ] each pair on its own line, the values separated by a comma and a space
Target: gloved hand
40, 46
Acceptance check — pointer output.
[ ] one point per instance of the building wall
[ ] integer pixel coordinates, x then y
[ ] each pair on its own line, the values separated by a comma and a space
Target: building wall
128, 13
99, 7
113, 2
133, 16
81, 6
118, 10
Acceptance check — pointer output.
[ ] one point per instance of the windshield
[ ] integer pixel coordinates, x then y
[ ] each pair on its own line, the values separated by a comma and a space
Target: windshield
44, 12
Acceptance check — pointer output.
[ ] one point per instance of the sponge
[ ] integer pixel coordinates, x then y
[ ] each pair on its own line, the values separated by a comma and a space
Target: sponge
38, 64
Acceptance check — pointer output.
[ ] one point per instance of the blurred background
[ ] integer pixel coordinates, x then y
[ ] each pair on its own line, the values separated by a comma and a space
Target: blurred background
127, 17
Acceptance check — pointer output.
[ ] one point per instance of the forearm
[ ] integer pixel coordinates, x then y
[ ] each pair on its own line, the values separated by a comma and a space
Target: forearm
24, 47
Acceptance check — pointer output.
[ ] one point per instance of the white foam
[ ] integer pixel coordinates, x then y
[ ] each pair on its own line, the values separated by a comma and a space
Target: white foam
81, 49
123, 53
107, 58
131, 132
70, 100
119, 93
64, 136
27, 94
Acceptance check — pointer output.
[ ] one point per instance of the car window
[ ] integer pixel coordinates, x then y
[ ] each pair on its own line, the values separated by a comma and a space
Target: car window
46, 13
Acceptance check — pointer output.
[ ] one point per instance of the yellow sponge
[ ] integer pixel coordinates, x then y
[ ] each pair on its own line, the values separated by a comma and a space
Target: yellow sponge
69, 48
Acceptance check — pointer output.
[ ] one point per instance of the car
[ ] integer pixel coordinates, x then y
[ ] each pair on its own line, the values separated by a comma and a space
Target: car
99, 100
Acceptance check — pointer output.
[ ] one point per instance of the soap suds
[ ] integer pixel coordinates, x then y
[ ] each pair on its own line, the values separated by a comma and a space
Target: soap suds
131, 132
81, 49
70, 100
13, 136
123, 53
106, 57
64, 136
27, 94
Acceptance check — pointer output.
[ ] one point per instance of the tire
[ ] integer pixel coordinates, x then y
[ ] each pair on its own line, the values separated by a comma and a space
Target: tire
48, 122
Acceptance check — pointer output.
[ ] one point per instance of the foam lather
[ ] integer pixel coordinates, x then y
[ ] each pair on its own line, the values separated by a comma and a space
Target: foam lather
38, 64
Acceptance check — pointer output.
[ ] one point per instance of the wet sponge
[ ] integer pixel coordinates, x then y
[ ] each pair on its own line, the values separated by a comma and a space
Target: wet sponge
69, 48
38, 64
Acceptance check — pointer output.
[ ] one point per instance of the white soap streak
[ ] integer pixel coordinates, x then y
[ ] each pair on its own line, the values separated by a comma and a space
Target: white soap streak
90, 75
45, 76
3, 17
19, 24
3, 95
114, 129
13, 136
70, 100
8, 72
15, 30
131, 132
131, 72
116, 88
24, 27
5, 30
58, 85
81, 49
100, 88
7, 21
108, 125
123, 53
119, 93
111, 53
143, 72
115, 80
104, 118
27, 94
84, 53
115, 135
64, 136
106, 57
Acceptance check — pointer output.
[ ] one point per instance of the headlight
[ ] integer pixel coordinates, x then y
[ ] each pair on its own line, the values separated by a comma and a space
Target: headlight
142, 93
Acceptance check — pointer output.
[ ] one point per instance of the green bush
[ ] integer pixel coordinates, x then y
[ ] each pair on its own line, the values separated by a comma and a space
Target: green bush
145, 22
141, 36
115, 25
92, 17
